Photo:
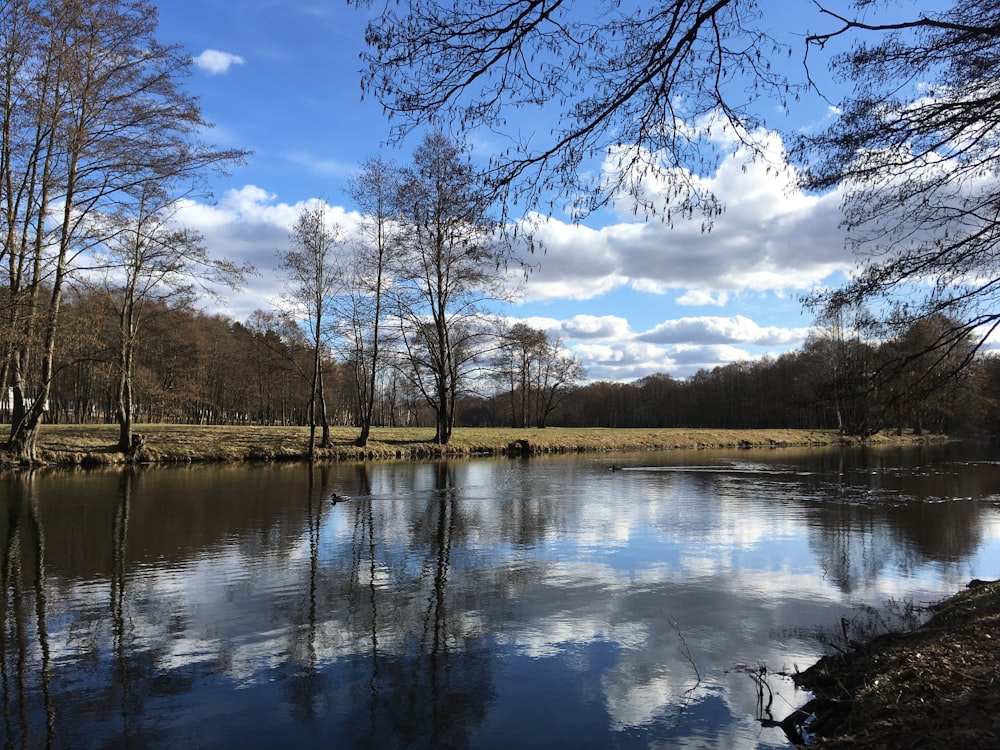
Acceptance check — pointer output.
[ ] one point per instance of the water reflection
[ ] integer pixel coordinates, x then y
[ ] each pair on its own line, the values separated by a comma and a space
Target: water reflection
23, 575
429, 678
476, 604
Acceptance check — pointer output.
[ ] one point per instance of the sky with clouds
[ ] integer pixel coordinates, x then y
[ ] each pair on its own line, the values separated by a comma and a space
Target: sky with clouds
628, 297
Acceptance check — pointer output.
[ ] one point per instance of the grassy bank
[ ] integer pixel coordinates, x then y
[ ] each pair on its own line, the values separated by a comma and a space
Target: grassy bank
92, 444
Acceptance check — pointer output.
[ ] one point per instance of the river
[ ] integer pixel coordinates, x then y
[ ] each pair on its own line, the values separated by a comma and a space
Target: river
613, 601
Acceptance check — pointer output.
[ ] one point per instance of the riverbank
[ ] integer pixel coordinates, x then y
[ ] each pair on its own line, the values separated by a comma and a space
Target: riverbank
937, 686
78, 445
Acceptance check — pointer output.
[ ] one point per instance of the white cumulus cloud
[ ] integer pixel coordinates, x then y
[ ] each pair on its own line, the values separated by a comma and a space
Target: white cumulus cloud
772, 237
737, 329
214, 61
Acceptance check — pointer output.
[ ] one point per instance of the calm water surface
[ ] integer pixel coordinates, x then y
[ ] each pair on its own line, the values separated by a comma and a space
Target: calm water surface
540, 603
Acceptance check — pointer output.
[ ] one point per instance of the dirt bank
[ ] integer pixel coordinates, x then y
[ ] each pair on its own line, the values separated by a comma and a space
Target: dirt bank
935, 687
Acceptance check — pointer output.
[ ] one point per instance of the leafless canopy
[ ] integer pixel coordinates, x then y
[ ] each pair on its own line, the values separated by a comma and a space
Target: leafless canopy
917, 151
626, 79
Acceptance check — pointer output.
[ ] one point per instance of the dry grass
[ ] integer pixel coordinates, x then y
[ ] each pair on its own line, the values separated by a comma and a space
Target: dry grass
93, 444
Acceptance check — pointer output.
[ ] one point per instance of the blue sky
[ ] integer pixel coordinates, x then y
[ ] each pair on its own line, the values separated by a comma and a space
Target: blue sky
282, 78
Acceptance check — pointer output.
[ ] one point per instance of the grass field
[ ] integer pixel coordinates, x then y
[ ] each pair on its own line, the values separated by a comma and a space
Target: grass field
167, 443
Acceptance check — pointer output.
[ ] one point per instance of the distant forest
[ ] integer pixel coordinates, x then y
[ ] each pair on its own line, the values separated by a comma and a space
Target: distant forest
196, 368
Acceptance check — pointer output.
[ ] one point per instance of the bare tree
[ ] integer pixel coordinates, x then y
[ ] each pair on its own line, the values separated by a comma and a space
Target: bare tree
536, 371
626, 82
846, 378
91, 107
445, 274
376, 192
515, 365
146, 261
313, 280
917, 149
557, 371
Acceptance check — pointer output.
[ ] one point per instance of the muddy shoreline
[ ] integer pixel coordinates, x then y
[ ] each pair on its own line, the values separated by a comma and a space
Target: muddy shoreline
937, 686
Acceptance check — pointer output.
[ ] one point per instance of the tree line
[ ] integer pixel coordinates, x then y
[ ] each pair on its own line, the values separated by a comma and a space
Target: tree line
195, 368
920, 382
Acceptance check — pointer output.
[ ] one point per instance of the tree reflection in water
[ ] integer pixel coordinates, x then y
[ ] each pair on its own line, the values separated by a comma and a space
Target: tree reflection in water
456, 604
20, 662
306, 686
130, 704
432, 685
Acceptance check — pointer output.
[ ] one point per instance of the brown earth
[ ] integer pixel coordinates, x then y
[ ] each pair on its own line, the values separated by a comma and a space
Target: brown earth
937, 686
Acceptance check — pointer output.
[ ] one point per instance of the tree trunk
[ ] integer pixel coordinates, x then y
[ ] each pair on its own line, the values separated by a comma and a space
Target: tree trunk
124, 417
362, 440
324, 422
123, 411
312, 405
368, 407
312, 426
25, 423
442, 416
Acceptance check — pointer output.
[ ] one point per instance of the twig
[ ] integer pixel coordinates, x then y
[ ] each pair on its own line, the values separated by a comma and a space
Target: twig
687, 652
